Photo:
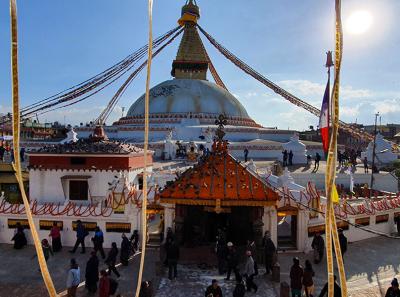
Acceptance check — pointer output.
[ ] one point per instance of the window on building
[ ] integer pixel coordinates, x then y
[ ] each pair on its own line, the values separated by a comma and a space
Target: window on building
11, 193
78, 161
78, 190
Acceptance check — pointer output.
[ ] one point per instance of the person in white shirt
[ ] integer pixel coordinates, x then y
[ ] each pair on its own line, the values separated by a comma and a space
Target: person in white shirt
73, 278
249, 273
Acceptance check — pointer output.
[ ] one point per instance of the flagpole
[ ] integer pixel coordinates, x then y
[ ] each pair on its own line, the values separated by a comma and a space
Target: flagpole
329, 64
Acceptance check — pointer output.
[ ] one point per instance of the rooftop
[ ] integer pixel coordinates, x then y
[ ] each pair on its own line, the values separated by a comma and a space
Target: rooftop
218, 177
88, 146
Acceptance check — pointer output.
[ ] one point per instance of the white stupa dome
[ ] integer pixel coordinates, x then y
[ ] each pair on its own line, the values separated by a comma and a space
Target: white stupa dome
184, 96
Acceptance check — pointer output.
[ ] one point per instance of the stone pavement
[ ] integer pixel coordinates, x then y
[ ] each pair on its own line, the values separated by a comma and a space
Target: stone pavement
370, 266
192, 281
19, 275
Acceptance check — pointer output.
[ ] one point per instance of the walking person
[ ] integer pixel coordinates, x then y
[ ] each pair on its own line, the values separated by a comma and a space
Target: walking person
365, 162
232, 261
337, 291
251, 246
19, 237
393, 290
249, 273
2, 151
290, 158
73, 278
342, 242
316, 161
397, 222
47, 250
22, 154
55, 235
318, 245
81, 233
221, 251
146, 289
98, 240
214, 290
125, 250
168, 240
92, 273
173, 257
284, 158
269, 252
240, 288
112, 259
104, 285
246, 154
135, 241
296, 277
340, 158
161, 226
308, 281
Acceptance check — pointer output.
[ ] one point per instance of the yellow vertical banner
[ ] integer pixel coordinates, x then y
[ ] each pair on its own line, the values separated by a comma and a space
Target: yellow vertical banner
145, 148
17, 165
331, 193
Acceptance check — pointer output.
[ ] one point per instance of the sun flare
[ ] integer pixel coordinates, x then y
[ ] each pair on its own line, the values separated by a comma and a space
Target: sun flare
359, 22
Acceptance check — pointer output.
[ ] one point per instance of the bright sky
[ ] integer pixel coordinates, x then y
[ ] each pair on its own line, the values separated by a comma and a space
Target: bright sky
62, 43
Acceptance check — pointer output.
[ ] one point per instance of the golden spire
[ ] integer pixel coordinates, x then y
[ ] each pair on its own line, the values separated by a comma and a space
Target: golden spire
191, 60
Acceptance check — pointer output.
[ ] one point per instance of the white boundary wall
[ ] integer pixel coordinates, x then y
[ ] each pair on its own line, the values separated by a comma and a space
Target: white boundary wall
353, 234
68, 236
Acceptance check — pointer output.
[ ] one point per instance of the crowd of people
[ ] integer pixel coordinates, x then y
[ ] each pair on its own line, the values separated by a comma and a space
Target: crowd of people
7, 150
231, 261
95, 279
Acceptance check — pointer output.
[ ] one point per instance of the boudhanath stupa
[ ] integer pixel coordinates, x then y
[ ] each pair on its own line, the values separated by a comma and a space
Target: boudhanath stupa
188, 105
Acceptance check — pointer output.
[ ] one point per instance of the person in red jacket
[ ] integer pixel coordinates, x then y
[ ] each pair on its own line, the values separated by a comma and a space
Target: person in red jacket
55, 237
104, 285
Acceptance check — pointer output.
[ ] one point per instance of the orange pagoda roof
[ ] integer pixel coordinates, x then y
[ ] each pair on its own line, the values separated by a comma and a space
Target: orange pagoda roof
218, 179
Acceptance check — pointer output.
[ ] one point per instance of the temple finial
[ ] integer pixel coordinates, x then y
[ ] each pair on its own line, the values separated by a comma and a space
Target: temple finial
190, 13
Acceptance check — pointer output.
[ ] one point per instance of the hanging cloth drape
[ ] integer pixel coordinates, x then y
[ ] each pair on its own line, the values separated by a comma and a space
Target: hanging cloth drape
145, 145
17, 165
330, 219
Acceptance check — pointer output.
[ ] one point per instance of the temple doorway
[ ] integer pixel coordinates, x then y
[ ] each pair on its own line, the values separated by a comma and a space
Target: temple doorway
287, 229
201, 224
155, 224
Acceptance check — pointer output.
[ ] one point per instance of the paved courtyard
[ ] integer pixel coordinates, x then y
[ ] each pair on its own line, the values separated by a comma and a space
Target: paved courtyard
19, 275
370, 266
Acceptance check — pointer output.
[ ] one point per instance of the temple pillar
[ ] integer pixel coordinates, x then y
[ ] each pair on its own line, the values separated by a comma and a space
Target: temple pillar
302, 233
274, 225
270, 221
258, 224
169, 214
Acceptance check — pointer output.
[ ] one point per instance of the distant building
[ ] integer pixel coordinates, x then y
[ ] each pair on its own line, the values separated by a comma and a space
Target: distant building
346, 140
388, 131
33, 130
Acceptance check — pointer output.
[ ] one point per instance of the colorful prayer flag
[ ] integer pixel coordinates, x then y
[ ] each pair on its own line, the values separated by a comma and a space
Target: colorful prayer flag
335, 195
324, 119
